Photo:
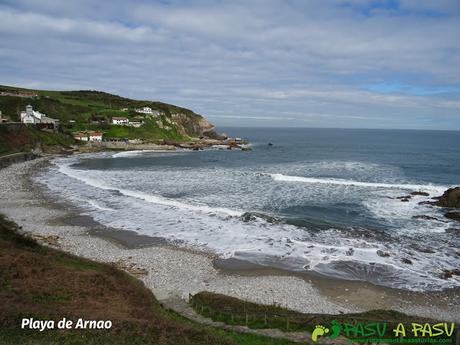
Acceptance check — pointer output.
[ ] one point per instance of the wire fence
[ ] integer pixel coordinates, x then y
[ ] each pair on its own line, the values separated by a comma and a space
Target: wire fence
283, 320
277, 317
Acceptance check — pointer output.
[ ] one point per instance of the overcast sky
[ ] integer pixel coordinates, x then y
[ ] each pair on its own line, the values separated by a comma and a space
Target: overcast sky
317, 63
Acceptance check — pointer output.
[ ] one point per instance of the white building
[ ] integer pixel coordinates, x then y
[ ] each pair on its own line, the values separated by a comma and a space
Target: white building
120, 120
147, 111
88, 136
81, 136
34, 117
95, 136
27, 118
136, 124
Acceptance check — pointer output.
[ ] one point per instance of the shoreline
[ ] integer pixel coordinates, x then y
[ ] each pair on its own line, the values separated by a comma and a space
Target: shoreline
172, 272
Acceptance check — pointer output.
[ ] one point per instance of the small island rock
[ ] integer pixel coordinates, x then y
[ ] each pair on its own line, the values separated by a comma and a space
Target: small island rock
450, 198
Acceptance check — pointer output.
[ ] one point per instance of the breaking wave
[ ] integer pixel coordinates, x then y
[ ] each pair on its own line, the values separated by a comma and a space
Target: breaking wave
331, 181
248, 213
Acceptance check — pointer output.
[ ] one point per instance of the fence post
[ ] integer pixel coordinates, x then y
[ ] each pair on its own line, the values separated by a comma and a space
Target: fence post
233, 320
246, 319
265, 319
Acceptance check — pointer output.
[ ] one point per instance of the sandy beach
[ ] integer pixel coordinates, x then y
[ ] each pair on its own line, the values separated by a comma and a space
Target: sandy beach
174, 273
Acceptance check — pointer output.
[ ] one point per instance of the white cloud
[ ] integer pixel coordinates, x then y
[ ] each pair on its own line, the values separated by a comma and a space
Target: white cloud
248, 60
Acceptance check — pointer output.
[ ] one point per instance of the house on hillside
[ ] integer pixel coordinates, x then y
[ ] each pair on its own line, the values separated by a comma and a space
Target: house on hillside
31, 116
95, 136
88, 136
120, 120
82, 136
136, 124
145, 110
22, 94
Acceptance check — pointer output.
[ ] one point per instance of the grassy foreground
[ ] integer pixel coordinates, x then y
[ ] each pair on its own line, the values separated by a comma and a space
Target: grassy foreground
46, 284
233, 311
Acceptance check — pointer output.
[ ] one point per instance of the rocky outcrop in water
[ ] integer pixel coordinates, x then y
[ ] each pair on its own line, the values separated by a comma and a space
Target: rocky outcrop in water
420, 193
425, 217
453, 215
450, 198
446, 274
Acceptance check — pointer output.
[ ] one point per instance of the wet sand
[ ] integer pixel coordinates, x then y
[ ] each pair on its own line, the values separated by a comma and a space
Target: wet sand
178, 272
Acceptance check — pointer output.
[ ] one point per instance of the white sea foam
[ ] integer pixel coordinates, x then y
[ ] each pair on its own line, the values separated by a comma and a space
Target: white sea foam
132, 200
83, 177
136, 153
331, 181
97, 205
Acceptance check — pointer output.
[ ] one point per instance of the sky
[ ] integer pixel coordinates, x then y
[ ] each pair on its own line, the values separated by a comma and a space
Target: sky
276, 63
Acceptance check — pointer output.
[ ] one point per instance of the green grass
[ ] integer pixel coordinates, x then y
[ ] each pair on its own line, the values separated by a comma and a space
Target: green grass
149, 131
26, 138
76, 262
84, 107
234, 311
47, 284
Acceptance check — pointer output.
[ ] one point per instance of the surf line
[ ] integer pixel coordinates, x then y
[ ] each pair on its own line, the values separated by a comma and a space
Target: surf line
312, 180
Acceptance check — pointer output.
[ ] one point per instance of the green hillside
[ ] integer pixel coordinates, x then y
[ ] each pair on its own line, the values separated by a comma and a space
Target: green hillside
24, 139
93, 110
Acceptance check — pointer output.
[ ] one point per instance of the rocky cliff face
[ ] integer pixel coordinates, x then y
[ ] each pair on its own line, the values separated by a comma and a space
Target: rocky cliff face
194, 125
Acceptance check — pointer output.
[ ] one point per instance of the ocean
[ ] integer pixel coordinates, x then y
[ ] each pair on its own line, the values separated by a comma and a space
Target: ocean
323, 201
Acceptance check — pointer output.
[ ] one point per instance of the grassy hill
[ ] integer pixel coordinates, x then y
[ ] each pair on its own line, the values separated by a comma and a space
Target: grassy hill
24, 139
47, 284
93, 110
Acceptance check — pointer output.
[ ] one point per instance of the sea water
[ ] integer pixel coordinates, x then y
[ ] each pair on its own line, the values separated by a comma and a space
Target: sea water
317, 200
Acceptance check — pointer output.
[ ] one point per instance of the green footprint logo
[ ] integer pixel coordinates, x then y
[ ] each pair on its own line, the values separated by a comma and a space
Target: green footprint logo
319, 331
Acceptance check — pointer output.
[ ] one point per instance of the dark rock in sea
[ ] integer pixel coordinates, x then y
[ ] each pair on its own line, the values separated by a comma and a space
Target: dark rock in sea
454, 231
450, 198
432, 203
453, 215
422, 249
382, 253
232, 145
270, 144
252, 216
446, 274
403, 197
406, 261
420, 193
248, 217
405, 200
427, 218
350, 252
